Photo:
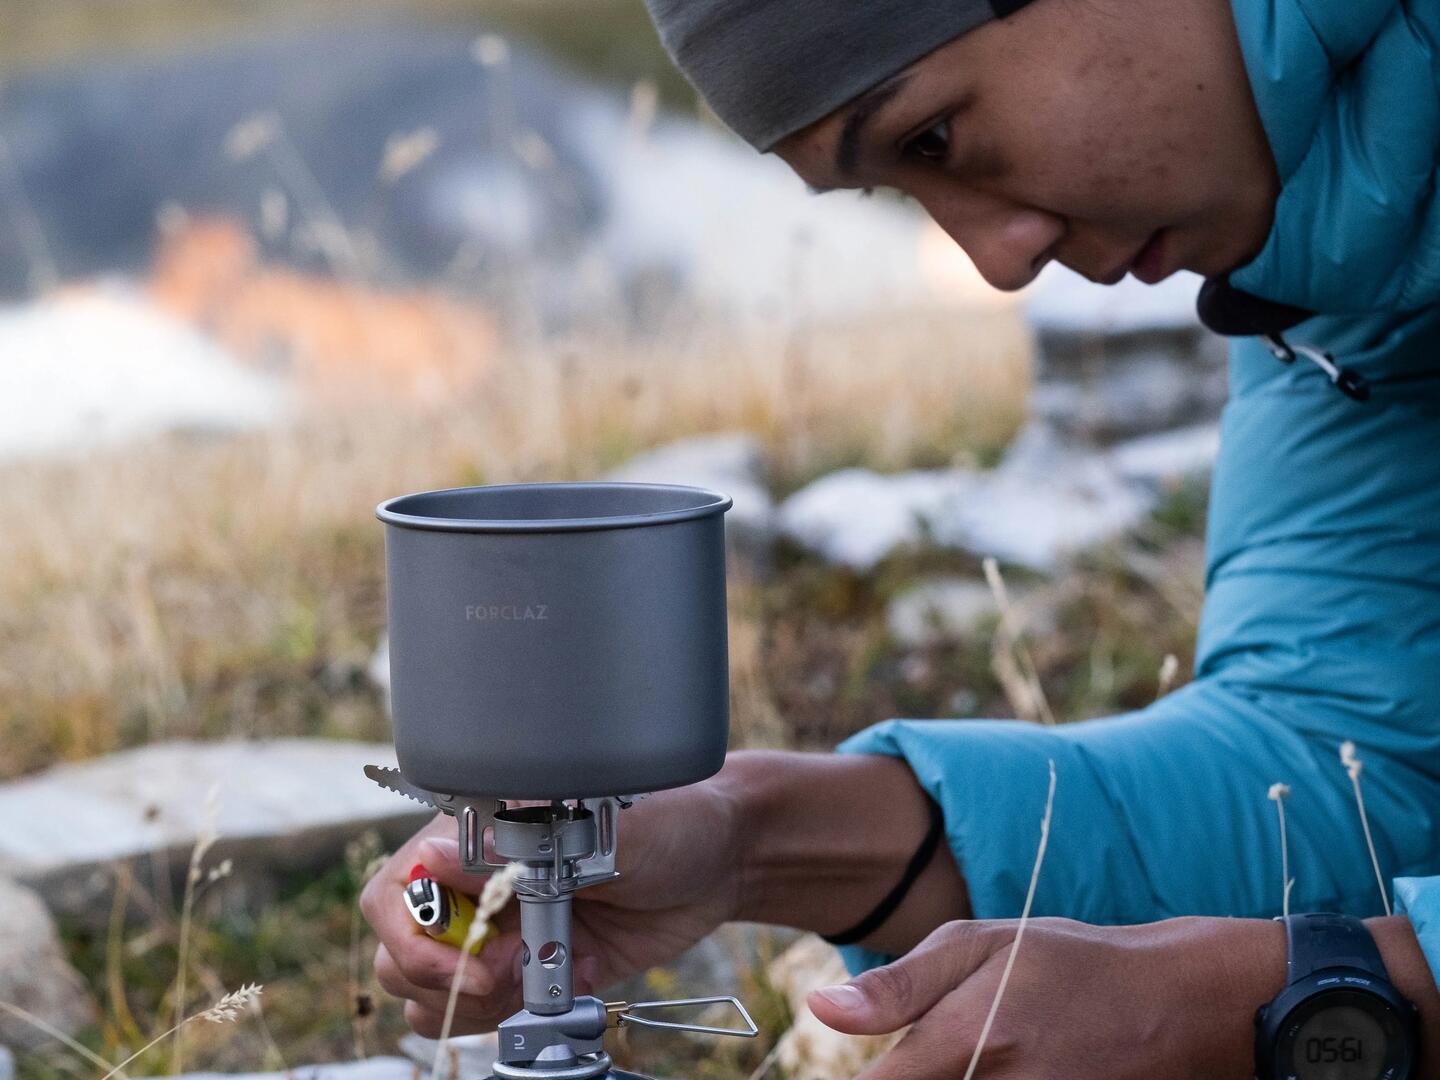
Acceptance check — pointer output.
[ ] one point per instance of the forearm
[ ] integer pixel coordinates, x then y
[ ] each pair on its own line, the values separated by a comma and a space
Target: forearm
823, 839
1411, 974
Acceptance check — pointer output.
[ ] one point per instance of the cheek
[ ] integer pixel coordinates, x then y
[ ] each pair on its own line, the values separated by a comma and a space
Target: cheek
1106, 149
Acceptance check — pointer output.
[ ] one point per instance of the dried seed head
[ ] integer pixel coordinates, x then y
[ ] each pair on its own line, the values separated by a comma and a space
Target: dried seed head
1353, 765
229, 1006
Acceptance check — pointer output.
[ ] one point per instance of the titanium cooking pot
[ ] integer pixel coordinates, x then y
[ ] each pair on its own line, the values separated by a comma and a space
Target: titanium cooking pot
553, 641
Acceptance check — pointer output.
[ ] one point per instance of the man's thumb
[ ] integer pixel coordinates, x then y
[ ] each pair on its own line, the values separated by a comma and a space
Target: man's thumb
440, 856
888, 998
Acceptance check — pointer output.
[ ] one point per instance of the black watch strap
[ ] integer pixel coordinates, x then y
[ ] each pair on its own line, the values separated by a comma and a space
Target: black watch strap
1325, 941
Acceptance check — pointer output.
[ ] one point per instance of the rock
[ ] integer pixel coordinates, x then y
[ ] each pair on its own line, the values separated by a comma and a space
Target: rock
810, 1050
91, 368
376, 1068
465, 1055
856, 517
1119, 389
1047, 502
732, 463
1169, 456
1119, 361
939, 610
34, 974
281, 805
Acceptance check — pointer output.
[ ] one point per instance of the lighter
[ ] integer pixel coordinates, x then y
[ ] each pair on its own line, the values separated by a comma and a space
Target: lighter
443, 913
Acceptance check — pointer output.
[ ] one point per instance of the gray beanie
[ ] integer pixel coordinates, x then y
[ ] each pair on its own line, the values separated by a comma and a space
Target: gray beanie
771, 67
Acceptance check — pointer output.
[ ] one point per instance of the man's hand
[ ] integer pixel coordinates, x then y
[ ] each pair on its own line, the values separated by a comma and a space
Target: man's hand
678, 883
1173, 1000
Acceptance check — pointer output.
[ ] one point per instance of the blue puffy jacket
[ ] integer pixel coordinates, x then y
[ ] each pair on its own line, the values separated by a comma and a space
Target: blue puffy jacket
1322, 613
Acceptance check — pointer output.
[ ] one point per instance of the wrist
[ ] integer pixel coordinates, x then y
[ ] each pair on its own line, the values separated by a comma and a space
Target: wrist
744, 789
1410, 974
822, 838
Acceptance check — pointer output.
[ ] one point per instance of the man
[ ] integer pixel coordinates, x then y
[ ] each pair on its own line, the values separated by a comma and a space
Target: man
1285, 149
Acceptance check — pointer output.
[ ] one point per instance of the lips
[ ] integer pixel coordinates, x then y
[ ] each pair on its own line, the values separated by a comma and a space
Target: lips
1150, 263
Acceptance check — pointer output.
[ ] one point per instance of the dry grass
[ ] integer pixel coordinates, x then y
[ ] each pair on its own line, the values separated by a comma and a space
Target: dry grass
209, 587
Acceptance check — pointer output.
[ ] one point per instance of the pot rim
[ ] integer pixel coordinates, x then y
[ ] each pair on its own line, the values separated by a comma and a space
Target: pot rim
390, 512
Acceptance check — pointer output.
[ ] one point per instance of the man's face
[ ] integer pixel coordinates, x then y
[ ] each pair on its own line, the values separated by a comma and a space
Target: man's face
1113, 137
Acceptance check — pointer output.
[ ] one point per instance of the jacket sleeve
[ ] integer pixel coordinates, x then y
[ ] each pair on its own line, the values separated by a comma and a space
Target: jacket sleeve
1162, 812
1420, 899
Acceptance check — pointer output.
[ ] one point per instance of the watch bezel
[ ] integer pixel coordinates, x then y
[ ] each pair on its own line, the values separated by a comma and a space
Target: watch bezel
1278, 1023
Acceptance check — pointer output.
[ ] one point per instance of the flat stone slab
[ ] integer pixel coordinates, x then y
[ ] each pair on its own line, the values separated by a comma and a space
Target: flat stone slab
376, 1068
280, 805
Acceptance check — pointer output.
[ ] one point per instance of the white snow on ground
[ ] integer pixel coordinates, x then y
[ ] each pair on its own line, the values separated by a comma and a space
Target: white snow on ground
1062, 301
84, 369
1046, 502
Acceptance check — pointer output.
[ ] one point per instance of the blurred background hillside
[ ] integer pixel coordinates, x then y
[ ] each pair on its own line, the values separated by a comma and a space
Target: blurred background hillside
267, 262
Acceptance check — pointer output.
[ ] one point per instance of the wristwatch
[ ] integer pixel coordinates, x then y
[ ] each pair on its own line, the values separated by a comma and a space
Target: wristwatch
1338, 1018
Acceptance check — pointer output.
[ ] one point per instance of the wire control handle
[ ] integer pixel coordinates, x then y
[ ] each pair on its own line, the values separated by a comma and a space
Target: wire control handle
623, 1012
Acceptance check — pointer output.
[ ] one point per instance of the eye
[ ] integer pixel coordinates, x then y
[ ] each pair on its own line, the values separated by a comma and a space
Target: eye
932, 144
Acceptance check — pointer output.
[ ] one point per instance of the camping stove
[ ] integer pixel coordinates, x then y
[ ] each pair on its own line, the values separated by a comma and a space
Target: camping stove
563, 847
553, 647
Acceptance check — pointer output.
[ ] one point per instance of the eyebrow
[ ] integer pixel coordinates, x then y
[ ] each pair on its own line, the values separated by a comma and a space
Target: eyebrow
847, 151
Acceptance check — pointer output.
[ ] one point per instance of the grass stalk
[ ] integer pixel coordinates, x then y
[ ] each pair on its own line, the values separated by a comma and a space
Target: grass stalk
1019, 930
1027, 693
1354, 766
222, 1012
204, 841
499, 887
1278, 794
60, 1036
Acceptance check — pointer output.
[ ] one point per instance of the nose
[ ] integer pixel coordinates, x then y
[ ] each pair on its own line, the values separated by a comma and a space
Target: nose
1008, 243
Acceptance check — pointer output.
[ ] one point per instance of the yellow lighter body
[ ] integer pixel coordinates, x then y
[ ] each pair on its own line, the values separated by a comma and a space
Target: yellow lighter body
443, 913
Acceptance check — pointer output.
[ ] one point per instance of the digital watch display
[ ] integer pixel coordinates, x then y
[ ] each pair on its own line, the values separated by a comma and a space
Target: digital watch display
1338, 1017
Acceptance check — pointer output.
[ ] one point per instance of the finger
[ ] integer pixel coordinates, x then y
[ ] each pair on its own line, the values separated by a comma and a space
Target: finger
480, 1013
432, 965
887, 998
938, 1047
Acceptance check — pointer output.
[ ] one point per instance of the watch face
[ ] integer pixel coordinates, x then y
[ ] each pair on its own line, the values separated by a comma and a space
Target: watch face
1340, 1043
1344, 1035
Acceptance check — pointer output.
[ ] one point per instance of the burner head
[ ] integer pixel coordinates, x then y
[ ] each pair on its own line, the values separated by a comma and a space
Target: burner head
558, 641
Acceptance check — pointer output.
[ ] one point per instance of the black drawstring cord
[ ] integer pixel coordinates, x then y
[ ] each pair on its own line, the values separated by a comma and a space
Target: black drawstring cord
1236, 313
1349, 382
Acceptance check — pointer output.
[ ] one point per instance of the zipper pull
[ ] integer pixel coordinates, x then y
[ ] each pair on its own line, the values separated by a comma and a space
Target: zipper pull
1349, 382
